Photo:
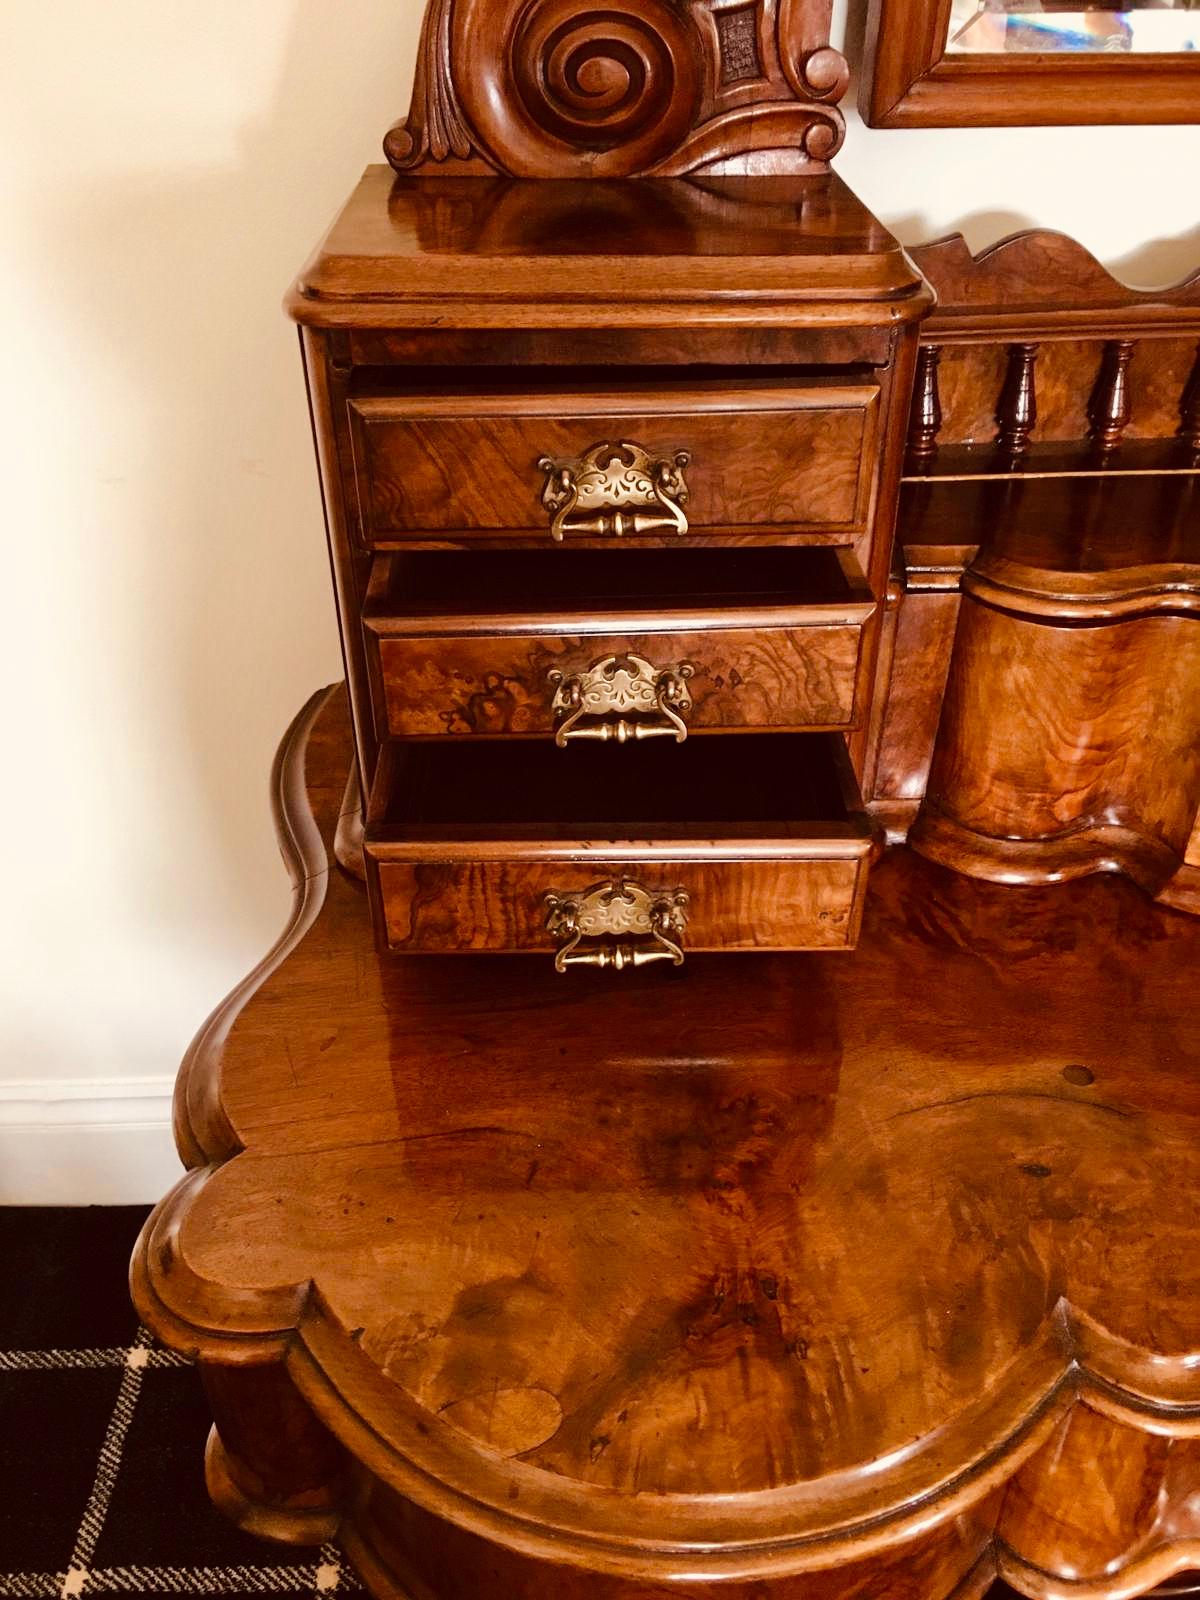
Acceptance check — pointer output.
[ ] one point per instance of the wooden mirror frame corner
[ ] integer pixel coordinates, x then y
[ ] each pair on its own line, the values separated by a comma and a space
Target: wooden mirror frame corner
908, 81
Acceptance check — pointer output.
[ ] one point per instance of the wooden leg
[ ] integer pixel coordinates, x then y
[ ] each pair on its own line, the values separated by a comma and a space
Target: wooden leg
270, 1466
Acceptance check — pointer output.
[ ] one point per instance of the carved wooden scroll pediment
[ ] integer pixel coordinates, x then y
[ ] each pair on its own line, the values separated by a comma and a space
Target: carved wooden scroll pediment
627, 88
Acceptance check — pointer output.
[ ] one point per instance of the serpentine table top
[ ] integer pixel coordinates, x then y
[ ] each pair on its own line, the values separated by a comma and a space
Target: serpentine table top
868, 1274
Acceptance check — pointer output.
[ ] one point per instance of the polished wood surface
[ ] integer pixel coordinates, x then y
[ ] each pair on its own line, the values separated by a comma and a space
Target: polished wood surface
756, 333
763, 833
718, 252
476, 643
752, 1280
553, 89
910, 81
1043, 280
761, 453
1043, 714
1016, 769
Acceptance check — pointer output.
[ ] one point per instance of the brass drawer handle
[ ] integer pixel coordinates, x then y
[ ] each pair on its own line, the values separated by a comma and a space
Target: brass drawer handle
613, 913
621, 698
615, 489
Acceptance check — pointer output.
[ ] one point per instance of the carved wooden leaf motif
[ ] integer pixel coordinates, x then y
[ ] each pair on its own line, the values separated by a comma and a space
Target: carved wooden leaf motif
550, 88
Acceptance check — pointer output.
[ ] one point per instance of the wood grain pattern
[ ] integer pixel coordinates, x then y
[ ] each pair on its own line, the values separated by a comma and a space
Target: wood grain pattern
1063, 750
1042, 281
819, 1295
466, 643
764, 833
761, 455
924, 643
547, 88
465, 907
728, 253
1065, 742
970, 379
758, 677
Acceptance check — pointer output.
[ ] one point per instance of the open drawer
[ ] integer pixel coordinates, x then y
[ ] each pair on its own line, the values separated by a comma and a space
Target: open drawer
628, 644
750, 843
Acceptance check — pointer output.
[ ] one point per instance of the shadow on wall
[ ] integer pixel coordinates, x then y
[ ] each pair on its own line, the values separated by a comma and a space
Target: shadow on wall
1055, 174
169, 283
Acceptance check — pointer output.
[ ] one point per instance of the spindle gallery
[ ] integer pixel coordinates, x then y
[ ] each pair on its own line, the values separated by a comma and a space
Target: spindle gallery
722, 1119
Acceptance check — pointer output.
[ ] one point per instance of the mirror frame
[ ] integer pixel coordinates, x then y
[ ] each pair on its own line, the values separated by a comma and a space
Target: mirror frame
909, 81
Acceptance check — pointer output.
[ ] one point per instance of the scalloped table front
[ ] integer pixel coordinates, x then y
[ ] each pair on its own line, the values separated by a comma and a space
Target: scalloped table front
784, 1277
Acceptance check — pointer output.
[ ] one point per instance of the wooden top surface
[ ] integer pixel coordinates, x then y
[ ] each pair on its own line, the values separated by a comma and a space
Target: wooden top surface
755, 1257
503, 252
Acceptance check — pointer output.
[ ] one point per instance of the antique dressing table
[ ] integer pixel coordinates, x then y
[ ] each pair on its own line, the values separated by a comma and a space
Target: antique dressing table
624, 1178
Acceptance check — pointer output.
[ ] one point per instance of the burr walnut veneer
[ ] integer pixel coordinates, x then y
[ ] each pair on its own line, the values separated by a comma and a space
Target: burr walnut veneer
1043, 713
611, 465
790, 1278
838, 1241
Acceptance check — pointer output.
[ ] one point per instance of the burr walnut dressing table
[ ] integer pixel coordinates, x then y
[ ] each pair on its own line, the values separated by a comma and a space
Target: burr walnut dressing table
619, 1182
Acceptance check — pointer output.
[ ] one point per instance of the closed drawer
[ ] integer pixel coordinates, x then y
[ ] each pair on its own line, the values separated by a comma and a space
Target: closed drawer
753, 457
602, 644
757, 843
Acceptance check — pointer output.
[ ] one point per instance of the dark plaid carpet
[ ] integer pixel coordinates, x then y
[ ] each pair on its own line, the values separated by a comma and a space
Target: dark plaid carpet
102, 1438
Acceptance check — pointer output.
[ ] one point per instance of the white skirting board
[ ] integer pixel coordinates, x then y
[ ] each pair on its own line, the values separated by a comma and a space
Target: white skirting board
86, 1142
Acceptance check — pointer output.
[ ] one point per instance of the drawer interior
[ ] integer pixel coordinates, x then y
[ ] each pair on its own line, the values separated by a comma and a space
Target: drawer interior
735, 786
479, 589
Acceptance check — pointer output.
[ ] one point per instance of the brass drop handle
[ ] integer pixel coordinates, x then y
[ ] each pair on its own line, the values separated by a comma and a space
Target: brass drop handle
621, 698
613, 915
615, 489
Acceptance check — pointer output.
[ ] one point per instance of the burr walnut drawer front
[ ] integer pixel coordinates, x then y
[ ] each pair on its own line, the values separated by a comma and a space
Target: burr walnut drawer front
629, 644
750, 843
652, 461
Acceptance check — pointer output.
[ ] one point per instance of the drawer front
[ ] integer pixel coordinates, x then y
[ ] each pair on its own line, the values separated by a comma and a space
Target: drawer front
496, 906
769, 677
652, 465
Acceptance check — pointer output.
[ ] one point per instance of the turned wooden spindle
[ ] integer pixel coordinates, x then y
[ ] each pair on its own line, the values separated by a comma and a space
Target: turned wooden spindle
925, 421
1109, 409
1016, 410
1189, 408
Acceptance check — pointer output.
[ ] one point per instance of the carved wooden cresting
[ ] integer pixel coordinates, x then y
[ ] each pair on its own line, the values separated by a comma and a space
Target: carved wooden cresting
635, 88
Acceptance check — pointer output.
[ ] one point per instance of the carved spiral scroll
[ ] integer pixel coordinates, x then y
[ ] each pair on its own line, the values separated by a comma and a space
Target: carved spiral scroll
589, 89
601, 91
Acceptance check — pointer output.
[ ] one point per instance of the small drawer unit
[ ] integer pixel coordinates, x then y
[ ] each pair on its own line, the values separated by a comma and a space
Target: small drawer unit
625, 645
610, 473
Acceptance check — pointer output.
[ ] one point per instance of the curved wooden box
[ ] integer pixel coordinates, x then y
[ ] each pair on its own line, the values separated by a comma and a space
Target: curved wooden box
1069, 740
792, 1289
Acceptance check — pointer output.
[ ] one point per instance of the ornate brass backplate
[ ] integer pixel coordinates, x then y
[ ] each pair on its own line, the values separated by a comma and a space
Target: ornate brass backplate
621, 698
615, 489
613, 913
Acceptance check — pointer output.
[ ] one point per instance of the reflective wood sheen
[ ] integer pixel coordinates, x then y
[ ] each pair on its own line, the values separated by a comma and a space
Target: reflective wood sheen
1042, 719
466, 644
751, 1280
556, 88
760, 454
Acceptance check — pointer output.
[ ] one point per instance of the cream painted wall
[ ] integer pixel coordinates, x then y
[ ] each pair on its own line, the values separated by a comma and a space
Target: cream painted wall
164, 168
